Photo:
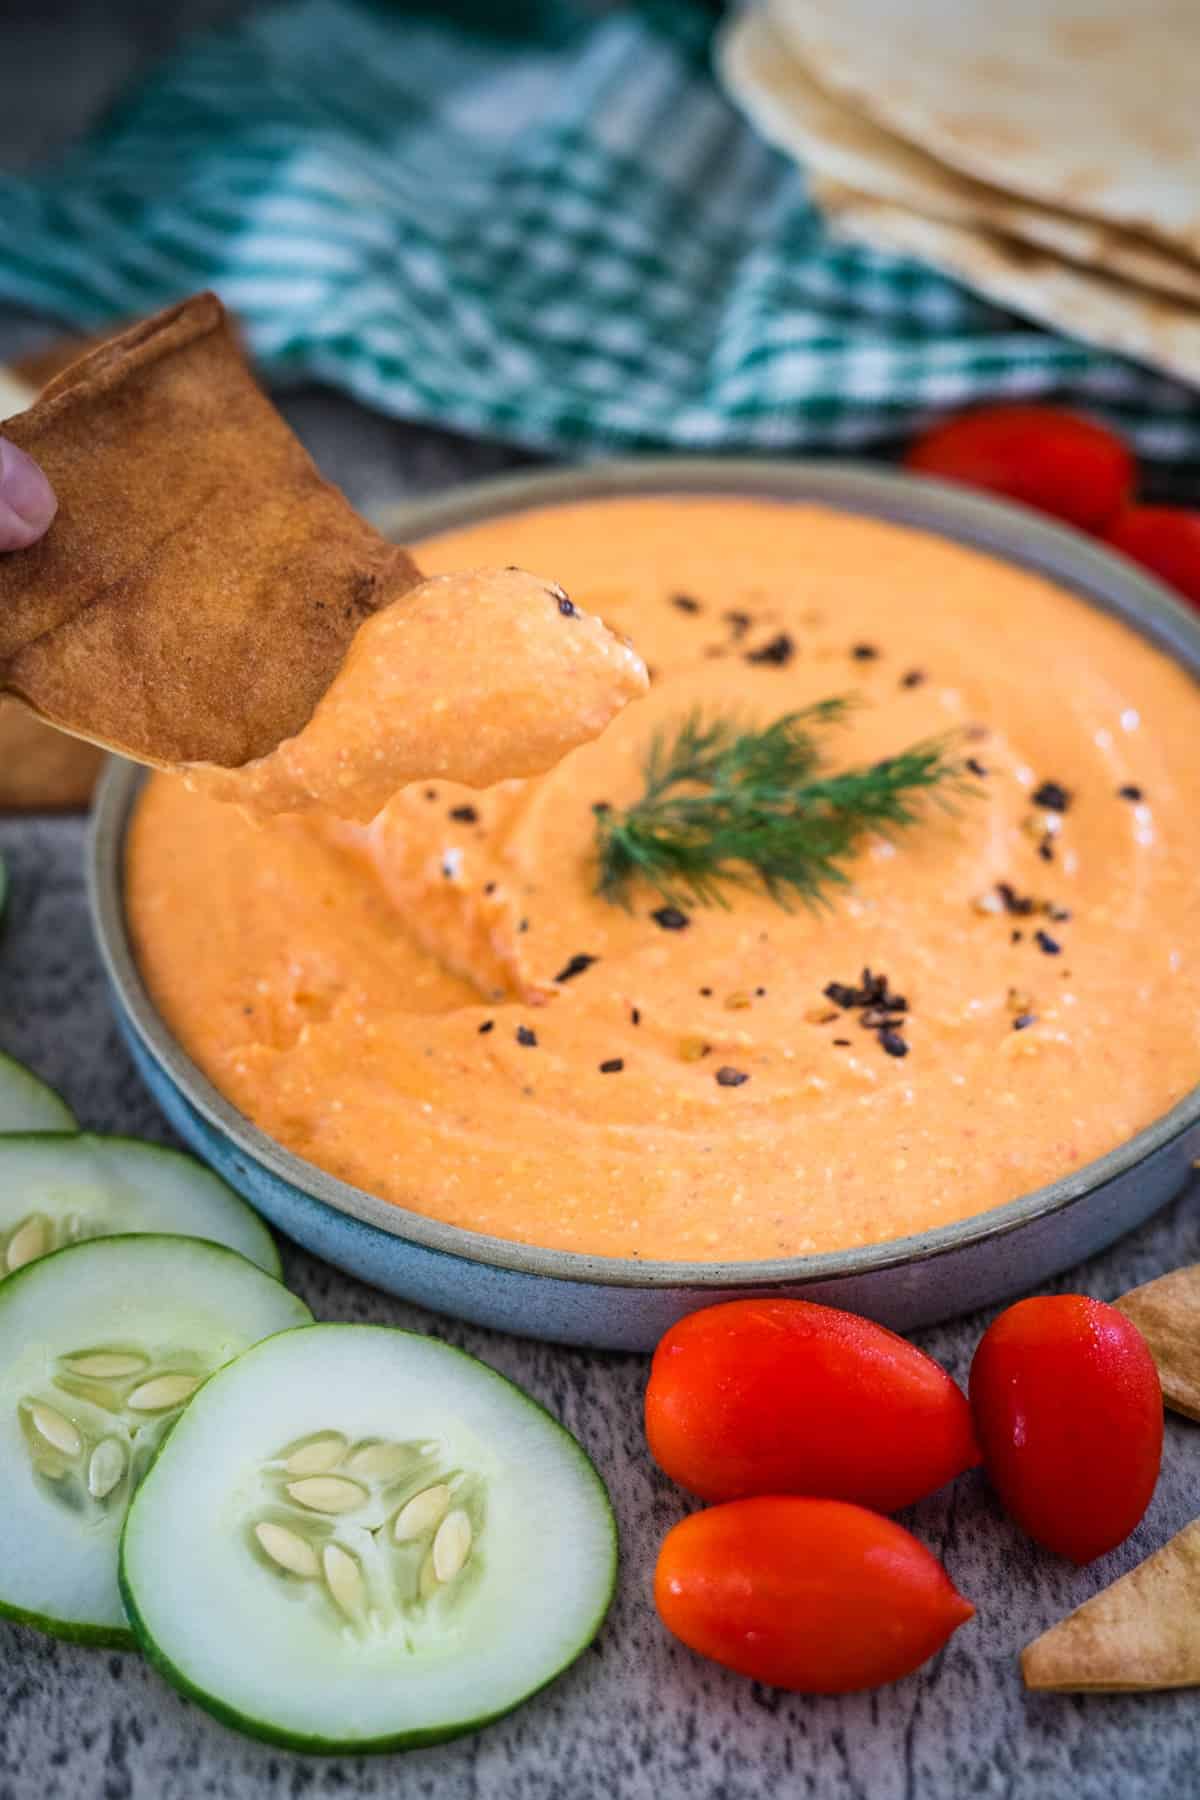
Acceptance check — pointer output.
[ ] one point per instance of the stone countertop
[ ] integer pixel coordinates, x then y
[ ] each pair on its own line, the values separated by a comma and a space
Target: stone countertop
638, 1718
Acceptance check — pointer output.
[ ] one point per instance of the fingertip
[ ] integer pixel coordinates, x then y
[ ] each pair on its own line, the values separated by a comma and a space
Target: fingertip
27, 501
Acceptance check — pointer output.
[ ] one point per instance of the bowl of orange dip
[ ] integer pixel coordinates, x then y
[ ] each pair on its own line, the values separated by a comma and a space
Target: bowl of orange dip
431, 1051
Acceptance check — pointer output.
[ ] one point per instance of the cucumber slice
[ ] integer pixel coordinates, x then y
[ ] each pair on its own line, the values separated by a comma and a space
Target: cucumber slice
57, 1190
358, 1539
101, 1345
29, 1104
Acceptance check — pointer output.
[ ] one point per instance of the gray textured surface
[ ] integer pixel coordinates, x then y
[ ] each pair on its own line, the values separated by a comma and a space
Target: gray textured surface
639, 1718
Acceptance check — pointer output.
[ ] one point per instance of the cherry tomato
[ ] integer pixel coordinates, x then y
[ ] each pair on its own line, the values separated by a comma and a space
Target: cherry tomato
1164, 539
1054, 461
1069, 1412
784, 1397
813, 1595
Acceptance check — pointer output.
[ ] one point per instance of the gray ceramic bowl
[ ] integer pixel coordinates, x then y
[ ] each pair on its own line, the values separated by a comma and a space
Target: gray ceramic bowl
601, 1301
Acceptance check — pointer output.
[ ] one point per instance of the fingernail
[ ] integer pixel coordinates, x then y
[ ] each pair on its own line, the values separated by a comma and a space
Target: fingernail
27, 502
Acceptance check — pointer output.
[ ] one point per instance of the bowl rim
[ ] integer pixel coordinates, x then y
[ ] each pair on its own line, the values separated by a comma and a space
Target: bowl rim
1014, 533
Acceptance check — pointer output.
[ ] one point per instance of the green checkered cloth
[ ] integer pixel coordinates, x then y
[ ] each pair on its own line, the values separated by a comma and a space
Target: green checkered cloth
566, 237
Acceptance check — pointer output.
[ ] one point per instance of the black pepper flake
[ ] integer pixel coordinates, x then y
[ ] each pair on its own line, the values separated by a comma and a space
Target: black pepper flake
842, 1043
706, 993
1020, 904
635, 1016
488, 1025
431, 793
524, 925
975, 766
575, 965
489, 887
685, 603
1024, 1019
1060, 913
526, 1037
892, 1042
670, 918
1016, 935
1053, 796
738, 622
760, 992
613, 1066
864, 652
727, 1077
1046, 944
913, 678
873, 992
565, 606
1046, 850
601, 806
777, 652
1130, 791
467, 814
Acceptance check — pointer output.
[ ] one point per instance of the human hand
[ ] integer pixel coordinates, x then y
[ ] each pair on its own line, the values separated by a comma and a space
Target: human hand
27, 502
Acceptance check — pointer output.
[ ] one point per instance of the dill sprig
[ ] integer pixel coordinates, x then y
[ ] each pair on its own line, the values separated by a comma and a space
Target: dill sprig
730, 805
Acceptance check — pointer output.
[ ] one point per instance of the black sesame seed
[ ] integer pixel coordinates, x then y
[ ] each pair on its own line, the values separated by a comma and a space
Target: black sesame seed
526, 1037
1130, 791
864, 652
685, 603
975, 766
635, 1017
842, 1043
613, 1066
893, 1043
575, 965
727, 1077
1046, 850
670, 918
566, 607
488, 1025
1053, 796
467, 814
1046, 944
913, 678
1016, 936
1024, 1019
778, 651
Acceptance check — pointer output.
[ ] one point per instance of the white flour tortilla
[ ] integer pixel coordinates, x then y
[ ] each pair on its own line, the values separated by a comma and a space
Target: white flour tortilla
795, 113
1091, 105
1084, 303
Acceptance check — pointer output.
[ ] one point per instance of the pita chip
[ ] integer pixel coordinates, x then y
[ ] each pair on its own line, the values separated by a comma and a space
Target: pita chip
1141, 1633
201, 584
1167, 1313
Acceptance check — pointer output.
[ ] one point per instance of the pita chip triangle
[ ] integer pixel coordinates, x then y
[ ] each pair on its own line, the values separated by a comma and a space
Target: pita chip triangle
1142, 1632
200, 586
1167, 1313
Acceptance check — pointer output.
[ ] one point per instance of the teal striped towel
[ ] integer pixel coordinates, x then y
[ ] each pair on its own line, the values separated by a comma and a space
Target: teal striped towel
570, 240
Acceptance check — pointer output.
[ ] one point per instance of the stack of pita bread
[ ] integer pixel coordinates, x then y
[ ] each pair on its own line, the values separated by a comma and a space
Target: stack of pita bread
1044, 152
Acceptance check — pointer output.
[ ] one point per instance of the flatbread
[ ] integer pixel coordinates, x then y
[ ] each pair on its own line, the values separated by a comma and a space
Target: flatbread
1084, 104
201, 583
1167, 1313
43, 770
1150, 327
1142, 1632
836, 142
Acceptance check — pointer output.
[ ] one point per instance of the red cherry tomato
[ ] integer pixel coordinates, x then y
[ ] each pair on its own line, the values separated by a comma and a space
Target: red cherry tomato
781, 1396
1054, 461
1069, 1413
812, 1595
1164, 539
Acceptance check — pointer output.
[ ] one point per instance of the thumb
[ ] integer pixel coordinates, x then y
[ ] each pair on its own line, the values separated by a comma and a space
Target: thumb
27, 502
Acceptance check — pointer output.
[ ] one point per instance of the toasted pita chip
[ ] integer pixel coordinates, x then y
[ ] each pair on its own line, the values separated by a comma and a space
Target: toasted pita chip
1142, 1632
1167, 1313
42, 770
201, 584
